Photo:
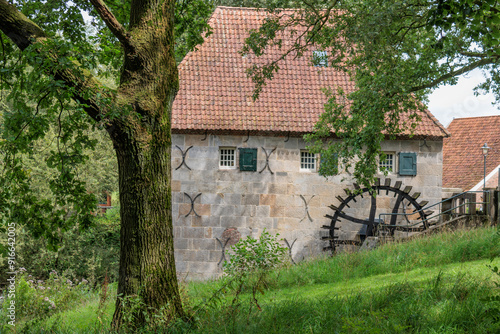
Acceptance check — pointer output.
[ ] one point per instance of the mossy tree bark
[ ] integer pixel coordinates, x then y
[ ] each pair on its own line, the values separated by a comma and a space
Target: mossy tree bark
138, 121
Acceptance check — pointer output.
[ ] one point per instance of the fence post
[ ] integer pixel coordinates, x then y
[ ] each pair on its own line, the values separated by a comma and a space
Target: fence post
471, 200
491, 204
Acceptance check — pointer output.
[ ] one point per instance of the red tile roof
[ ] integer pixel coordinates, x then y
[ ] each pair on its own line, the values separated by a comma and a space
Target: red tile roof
216, 95
463, 161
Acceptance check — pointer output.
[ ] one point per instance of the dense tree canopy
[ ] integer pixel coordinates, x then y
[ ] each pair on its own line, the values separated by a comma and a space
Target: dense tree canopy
71, 67
395, 51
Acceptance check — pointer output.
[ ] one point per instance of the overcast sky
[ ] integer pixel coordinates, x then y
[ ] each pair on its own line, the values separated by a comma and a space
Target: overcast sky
458, 101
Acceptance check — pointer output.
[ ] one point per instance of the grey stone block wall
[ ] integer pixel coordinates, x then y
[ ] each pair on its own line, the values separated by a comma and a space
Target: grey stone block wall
253, 201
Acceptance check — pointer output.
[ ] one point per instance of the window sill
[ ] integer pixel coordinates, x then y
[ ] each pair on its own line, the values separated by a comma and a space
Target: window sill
307, 170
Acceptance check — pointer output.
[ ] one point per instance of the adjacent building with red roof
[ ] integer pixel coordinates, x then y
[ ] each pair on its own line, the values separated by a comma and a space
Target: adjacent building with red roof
463, 159
241, 166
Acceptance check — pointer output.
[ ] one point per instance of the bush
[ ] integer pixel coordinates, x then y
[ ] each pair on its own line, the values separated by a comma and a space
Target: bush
92, 253
39, 299
249, 267
251, 255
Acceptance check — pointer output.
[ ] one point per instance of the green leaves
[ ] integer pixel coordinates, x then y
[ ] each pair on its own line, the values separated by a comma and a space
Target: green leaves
249, 266
395, 53
191, 24
45, 138
252, 255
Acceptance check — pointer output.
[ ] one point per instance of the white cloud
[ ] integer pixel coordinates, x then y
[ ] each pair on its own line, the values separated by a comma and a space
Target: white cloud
457, 101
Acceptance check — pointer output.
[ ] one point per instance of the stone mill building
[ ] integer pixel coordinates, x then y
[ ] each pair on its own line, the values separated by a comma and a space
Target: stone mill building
240, 166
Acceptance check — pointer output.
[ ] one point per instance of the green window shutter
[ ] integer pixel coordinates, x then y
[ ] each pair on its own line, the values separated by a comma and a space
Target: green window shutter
407, 163
248, 159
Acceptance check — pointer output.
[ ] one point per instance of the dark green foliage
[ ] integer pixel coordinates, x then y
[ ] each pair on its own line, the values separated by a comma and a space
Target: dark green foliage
89, 253
37, 106
43, 126
191, 24
394, 51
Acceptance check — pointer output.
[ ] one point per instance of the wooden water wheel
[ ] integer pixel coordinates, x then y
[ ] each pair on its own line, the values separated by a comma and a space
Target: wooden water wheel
385, 210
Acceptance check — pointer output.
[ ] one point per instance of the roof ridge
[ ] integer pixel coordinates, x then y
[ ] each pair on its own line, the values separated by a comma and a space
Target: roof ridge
242, 8
467, 117
437, 122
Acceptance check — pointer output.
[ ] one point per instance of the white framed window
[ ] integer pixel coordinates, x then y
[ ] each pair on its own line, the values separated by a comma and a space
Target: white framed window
308, 161
388, 164
227, 158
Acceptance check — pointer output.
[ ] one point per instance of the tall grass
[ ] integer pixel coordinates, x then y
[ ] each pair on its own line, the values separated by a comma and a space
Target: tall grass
439, 249
435, 284
443, 304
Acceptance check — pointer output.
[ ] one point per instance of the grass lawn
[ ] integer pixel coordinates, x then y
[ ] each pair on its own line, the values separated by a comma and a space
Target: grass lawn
377, 283
430, 285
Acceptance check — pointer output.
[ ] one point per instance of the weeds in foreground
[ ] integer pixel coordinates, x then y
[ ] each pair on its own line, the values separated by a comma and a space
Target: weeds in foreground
248, 270
36, 300
447, 301
103, 298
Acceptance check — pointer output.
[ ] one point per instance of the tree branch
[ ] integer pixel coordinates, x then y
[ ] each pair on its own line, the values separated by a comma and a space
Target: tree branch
112, 23
473, 54
24, 32
462, 70
18, 27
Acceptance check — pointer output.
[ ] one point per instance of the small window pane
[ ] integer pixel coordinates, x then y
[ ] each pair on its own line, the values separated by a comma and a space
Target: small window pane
387, 164
227, 158
307, 160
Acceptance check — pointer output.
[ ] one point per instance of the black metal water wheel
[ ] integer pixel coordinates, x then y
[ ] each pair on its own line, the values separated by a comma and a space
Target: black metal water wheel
360, 209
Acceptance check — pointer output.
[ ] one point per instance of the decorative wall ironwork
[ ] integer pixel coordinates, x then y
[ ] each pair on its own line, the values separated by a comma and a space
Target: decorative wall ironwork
232, 236
290, 248
223, 246
192, 204
425, 144
183, 157
267, 159
206, 134
306, 203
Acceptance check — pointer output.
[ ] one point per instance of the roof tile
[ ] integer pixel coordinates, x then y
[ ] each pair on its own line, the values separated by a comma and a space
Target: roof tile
463, 161
215, 93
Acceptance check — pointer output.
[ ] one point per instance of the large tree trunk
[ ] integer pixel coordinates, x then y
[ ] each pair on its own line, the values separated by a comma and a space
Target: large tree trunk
142, 142
147, 268
138, 122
